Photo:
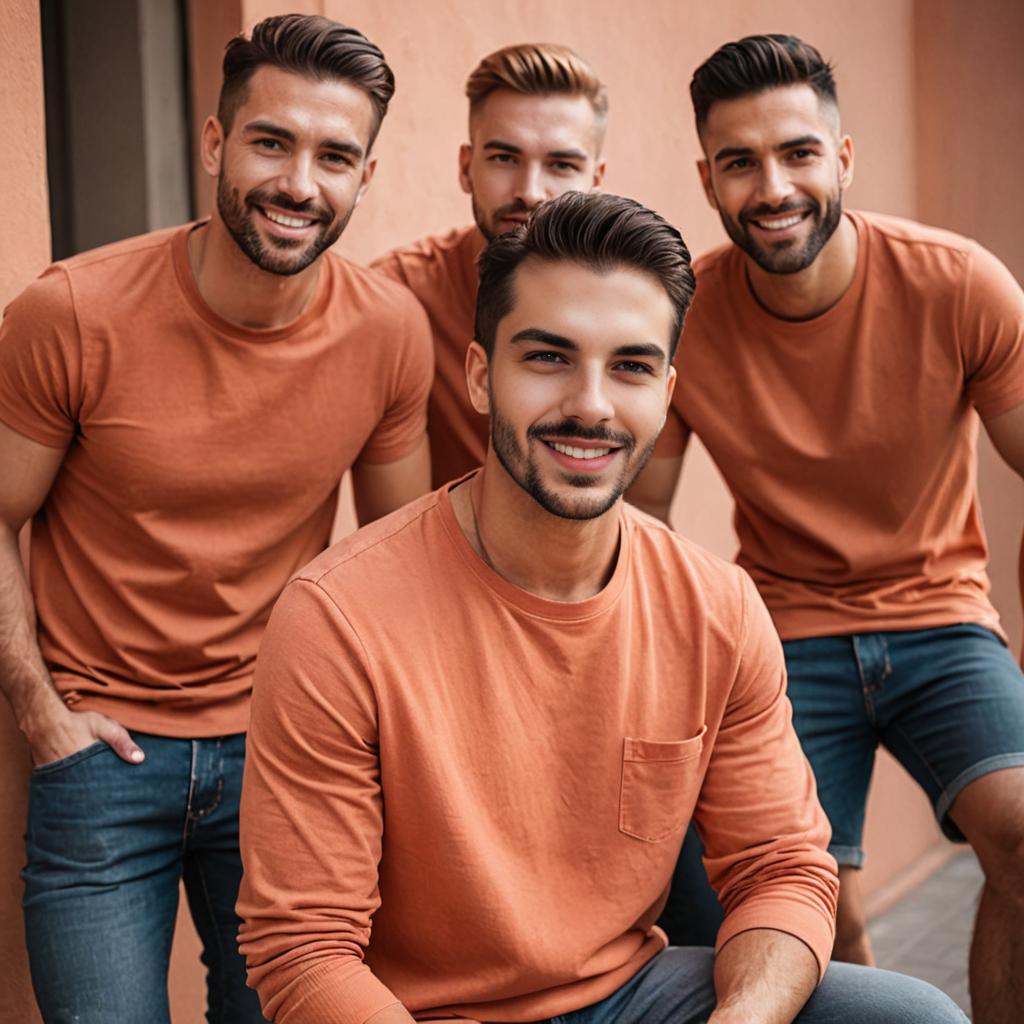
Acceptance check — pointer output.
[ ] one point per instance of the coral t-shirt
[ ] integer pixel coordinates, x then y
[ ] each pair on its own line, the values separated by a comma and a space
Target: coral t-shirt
441, 272
202, 465
470, 799
849, 440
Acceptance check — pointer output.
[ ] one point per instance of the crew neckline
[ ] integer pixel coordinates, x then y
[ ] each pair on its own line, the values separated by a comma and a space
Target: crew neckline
532, 604
314, 308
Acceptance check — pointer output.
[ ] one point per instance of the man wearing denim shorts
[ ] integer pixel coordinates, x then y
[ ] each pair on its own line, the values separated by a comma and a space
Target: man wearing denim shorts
176, 414
835, 365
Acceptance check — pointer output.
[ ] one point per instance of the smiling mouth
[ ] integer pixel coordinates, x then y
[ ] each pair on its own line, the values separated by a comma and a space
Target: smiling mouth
789, 220
575, 452
287, 220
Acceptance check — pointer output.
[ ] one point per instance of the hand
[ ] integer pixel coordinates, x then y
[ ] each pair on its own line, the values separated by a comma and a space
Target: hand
66, 732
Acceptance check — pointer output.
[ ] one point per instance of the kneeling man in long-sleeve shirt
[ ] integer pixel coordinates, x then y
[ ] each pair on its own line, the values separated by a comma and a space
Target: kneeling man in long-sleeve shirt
482, 724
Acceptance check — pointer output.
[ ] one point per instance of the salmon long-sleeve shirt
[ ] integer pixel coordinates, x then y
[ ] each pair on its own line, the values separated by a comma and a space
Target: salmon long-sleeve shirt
470, 799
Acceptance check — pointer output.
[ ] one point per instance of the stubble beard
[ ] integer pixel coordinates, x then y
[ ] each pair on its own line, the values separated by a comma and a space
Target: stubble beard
787, 257
523, 468
287, 257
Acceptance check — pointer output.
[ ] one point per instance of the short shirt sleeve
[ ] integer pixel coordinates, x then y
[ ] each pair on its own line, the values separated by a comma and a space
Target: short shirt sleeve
41, 362
992, 335
404, 422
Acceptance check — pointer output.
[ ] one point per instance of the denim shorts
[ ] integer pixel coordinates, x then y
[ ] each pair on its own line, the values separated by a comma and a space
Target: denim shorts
947, 703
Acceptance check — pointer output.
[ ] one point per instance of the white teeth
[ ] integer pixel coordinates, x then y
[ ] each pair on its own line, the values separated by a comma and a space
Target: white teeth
580, 453
288, 222
780, 225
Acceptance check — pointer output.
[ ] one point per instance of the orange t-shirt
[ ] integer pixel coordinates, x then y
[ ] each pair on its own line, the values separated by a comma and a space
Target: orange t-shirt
849, 441
470, 799
441, 272
202, 465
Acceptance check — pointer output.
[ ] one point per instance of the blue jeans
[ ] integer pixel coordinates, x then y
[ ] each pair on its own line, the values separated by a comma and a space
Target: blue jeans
677, 987
947, 703
107, 843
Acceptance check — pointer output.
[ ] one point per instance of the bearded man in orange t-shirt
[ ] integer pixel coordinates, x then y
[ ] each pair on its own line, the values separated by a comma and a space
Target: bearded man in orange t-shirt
537, 116
177, 413
836, 365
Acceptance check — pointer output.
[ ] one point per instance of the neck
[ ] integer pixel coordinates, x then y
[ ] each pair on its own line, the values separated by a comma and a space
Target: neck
815, 289
239, 291
543, 554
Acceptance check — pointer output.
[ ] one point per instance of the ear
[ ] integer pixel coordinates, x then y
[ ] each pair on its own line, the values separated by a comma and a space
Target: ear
211, 146
599, 169
476, 378
465, 157
368, 171
704, 170
670, 386
845, 162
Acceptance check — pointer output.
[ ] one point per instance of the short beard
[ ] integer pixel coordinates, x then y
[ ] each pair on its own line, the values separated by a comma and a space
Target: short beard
485, 226
286, 258
523, 469
785, 257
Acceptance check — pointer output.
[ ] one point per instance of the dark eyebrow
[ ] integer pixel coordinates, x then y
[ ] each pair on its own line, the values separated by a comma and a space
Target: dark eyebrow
546, 337
728, 152
504, 147
277, 132
648, 351
555, 154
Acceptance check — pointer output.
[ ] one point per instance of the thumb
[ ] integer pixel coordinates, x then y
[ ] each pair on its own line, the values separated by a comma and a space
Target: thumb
118, 739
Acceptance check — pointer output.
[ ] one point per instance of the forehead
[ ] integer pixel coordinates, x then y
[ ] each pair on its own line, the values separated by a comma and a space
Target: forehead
329, 108
768, 118
545, 122
597, 309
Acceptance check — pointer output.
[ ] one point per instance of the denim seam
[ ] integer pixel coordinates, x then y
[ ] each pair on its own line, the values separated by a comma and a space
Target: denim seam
917, 750
847, 856
969, 775
188, 800
216, 931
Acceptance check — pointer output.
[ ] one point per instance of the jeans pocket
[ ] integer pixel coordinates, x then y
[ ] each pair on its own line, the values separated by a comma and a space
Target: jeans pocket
51, 767
660, 782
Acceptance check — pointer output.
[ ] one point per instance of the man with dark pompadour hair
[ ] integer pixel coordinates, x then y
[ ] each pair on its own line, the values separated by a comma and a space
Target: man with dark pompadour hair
537, 118
176, 413
836, 366
481, 724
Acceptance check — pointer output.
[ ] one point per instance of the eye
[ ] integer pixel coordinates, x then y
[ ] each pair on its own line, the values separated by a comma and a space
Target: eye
741, 163
564, 167
268, 144
336, 159
501, 158
633, 366
545, 356
802, 154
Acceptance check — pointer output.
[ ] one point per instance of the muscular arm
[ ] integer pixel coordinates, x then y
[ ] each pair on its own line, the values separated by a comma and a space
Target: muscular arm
383, 487
28, 470
763, 976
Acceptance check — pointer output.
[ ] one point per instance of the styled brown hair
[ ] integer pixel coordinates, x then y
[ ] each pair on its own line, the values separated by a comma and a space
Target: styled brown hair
537, 69
595, 230
755, 64
307, 45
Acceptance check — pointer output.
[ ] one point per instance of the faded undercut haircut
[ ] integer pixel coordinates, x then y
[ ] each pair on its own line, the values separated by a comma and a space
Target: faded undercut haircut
755, 64
538, 69
596, 230
308, 45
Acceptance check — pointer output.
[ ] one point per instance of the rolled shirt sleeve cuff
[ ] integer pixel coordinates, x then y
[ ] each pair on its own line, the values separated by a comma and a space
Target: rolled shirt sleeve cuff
346, 993
808, 924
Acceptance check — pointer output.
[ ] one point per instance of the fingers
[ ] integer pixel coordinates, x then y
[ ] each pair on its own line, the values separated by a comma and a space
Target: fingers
118, 739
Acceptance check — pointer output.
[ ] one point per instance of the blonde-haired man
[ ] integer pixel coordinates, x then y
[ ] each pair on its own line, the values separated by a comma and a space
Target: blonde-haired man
537, 116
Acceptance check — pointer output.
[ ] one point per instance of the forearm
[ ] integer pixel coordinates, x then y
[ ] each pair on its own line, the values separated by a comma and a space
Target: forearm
24, 677
763, 976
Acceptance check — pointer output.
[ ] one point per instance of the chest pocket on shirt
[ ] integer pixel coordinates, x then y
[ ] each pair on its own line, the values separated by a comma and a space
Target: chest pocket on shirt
660, 781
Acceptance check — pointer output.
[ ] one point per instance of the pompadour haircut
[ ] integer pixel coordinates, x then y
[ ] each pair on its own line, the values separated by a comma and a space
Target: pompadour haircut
755, 64
308, 45
595, 230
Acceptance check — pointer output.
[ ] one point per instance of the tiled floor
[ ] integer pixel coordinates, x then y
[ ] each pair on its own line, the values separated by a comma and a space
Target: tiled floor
927, 933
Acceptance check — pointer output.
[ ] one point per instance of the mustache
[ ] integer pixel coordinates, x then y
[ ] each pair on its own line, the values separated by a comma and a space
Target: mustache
514, 209
570, 428
764, 210
284, 202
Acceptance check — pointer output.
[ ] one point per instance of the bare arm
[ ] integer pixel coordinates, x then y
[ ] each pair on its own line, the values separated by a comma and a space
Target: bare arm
653, 490
763, 976
382, 487
52, 731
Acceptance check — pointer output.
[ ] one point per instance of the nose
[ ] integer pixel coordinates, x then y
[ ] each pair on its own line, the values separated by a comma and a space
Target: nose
774, 186
296, 180
587, 398
530, 185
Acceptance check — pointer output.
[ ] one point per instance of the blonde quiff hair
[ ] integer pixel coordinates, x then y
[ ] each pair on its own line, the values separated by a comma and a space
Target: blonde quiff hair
537, 69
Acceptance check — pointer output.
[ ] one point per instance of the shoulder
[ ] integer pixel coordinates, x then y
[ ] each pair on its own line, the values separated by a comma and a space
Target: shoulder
714, 271
424, 262
385, 552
